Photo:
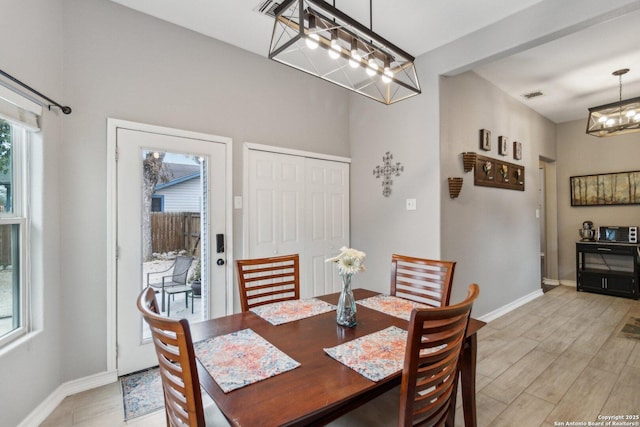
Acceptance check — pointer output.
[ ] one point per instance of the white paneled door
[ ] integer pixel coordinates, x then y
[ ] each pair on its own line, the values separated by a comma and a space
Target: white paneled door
298, 204
276, 204
195, 165
327, 222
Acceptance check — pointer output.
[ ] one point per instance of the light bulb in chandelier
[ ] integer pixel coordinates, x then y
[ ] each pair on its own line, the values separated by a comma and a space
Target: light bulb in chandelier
313, 41
334, 49
372, 67
355, 59
387, 74
312, 38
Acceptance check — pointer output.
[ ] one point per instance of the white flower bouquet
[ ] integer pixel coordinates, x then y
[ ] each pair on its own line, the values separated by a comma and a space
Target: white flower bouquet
349, 261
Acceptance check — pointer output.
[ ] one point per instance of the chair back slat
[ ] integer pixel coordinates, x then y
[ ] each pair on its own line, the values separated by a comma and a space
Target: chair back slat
177, 362
181, 269
430, 373
422, 280
268, 280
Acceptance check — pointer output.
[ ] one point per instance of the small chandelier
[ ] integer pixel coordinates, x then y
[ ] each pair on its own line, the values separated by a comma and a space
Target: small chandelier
317, 38
616, 118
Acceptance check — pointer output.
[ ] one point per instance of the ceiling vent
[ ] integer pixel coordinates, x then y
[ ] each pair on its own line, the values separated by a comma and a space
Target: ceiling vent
266, 7
533, 94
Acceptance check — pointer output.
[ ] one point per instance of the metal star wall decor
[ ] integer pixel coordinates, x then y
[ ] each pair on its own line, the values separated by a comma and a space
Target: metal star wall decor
386, 171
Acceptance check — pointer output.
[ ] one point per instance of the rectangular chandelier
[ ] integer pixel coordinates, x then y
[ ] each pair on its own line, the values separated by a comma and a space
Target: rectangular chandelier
317, 38
616, 118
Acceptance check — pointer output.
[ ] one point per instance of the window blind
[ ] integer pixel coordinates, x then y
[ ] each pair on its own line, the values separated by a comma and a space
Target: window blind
17, 109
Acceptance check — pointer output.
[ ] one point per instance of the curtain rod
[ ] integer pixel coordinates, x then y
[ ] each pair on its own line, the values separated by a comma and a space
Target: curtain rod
64, 108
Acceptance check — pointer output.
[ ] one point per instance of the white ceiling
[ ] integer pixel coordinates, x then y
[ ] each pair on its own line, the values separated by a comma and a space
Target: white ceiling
573, 73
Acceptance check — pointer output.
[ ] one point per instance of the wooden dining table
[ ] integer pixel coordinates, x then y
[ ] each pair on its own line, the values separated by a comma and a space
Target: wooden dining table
321, 389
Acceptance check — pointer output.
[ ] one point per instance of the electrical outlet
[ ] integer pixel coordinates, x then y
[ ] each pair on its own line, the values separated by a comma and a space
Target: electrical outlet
411, 204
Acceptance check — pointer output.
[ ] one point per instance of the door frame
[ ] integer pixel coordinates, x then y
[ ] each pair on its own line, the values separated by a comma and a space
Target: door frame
112, 250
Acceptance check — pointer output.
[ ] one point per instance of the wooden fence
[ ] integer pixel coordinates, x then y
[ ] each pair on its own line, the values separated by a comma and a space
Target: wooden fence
175, 231
5, 245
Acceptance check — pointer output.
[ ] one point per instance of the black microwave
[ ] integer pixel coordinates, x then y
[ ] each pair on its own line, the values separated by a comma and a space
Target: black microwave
618, 234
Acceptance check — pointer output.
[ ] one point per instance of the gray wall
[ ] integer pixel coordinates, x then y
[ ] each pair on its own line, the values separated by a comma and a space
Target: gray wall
381, 225
582, 154
411, 131
31, 50
491, 232
123, 64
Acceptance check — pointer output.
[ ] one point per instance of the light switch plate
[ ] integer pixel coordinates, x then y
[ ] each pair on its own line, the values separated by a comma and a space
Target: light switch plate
237, 202
411, 204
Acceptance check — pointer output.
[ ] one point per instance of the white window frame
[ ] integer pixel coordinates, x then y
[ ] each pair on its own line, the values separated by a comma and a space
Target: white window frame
19, 216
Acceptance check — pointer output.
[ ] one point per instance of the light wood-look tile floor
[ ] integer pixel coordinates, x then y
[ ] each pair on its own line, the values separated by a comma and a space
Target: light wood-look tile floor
555, 360
558, 359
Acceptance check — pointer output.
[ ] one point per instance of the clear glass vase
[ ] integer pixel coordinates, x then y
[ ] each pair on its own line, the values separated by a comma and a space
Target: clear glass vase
346, 312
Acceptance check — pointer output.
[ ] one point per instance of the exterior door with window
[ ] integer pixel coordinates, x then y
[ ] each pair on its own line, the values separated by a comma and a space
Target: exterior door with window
188, 172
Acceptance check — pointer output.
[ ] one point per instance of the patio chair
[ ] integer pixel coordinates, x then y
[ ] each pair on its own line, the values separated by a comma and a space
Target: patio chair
267, 280
422, 280
183, 400
178, 277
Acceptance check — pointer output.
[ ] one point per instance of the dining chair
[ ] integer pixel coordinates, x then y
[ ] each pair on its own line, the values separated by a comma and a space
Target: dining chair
183, 400
430, 372
422, 280
427, 393
268, 280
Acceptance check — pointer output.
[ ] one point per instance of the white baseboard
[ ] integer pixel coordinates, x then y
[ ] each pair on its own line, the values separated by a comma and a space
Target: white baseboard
511, 306
38, 415
550, 282
571, 283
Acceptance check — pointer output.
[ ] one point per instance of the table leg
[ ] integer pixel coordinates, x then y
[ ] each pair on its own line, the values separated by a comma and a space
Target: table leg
468, 379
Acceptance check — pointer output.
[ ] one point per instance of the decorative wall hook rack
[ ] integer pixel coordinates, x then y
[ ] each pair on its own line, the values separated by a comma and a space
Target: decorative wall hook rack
498, 173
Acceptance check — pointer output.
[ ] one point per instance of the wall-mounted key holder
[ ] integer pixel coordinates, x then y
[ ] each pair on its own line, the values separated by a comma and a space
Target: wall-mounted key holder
498, 173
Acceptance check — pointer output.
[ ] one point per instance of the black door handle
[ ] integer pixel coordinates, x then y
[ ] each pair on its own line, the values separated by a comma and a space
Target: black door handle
220, 261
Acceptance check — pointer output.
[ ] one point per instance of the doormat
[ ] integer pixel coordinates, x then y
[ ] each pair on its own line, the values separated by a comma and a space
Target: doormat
142, 393
631, 329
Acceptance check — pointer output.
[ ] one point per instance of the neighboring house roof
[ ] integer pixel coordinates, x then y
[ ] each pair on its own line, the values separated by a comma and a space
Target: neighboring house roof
177, 181
179, 173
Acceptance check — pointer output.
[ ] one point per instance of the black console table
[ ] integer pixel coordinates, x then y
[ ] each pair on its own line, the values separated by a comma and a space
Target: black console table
608, 268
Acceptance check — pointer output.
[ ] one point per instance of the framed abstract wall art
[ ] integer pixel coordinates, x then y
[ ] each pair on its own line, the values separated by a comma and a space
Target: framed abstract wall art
502, 146
517, 150
619, 188
485, 139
